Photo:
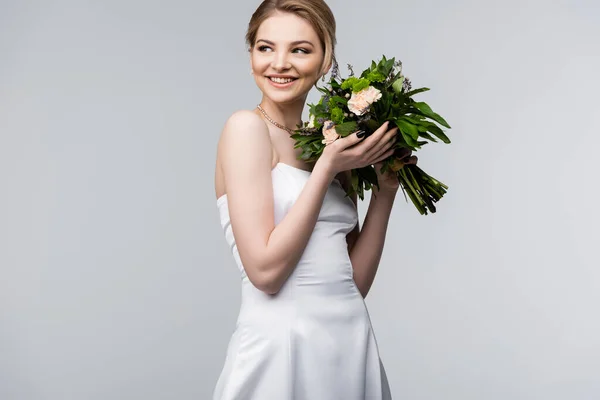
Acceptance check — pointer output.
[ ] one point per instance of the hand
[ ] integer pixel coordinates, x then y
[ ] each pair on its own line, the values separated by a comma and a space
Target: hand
352, 151
388, 181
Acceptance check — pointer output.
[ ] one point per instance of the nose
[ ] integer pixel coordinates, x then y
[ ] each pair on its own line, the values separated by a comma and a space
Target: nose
280, 61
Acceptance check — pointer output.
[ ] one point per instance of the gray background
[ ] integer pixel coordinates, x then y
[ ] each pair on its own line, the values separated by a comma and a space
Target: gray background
116, 281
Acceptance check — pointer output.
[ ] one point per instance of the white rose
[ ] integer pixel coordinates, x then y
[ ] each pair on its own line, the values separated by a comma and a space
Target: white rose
359, 102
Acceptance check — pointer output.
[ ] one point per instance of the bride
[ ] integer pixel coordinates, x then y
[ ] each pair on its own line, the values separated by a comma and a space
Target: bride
303, 331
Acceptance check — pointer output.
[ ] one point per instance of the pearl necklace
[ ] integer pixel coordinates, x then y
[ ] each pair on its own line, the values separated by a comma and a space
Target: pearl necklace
285, 128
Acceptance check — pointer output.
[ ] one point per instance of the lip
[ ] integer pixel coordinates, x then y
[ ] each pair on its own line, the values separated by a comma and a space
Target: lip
281, 85
282, 76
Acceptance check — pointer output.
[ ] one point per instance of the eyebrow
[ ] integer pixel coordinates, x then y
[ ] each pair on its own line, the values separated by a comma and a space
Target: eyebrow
297, 42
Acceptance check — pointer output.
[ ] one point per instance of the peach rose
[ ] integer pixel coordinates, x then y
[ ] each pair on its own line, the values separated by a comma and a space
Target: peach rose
360, 101
329, 133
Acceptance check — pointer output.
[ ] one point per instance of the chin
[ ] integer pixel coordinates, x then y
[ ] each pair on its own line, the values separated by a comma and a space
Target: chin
282, 98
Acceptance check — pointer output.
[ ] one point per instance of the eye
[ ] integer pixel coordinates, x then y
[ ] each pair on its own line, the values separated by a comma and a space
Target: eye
263, 48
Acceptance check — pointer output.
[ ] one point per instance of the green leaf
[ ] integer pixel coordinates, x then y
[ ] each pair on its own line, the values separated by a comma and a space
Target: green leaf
433, 128
354, 179
389, 65
416, 119
415, 91
369, 173
323, 90
425, 109
337, 101
306, 155
397, 85
320, 109
408, 139
427, 136
408, 127
346, 128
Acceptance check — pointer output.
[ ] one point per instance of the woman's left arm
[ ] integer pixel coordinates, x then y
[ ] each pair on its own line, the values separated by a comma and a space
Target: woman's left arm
366, 252
365, 245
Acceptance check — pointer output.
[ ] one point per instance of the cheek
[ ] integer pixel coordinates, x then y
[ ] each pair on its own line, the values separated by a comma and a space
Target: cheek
311, 67
258, 62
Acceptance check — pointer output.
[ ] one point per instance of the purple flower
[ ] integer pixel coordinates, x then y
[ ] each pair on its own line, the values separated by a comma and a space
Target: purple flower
406, 85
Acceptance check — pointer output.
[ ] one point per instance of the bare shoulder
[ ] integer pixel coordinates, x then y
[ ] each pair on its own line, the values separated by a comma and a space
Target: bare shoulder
245, 156
245, 121
244, 135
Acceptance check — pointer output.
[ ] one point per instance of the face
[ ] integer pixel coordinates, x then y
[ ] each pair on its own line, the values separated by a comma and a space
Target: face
286, 58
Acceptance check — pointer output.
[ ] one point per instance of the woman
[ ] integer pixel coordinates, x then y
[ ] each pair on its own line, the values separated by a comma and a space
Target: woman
303, 331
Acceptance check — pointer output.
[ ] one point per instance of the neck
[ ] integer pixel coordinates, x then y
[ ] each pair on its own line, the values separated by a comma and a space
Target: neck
288, 114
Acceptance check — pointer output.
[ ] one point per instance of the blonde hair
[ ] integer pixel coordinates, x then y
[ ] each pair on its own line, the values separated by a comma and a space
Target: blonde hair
316, 12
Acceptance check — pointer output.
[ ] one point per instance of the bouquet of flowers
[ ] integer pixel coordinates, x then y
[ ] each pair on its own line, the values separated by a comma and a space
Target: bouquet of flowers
381, 93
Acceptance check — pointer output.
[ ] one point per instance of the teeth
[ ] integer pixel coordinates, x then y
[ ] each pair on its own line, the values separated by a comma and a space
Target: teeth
281, 80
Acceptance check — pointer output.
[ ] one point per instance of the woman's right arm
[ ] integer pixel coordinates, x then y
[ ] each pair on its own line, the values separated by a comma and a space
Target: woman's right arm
269, 253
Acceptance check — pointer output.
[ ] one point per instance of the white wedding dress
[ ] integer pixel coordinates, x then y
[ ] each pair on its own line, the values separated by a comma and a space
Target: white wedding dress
313, 339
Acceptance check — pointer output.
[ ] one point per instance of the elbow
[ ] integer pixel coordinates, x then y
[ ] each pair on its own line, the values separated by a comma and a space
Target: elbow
269, 288
266, 274
266, 282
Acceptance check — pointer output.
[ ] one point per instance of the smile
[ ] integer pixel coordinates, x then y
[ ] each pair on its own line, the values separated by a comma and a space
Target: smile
281, 80
281, 83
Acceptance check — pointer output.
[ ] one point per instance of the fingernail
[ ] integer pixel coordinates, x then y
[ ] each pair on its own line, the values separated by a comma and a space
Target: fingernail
360, 134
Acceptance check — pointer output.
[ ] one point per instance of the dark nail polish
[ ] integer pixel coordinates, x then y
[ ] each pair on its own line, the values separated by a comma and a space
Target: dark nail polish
360, 134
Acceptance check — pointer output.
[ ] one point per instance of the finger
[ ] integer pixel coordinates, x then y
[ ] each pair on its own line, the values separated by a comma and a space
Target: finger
375, 137
352, 139
381, 153
383, 145
390, 144
383, 156
411, 160
381, 132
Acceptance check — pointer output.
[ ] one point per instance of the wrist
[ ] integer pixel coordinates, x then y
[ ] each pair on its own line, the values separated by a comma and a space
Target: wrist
324, 165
